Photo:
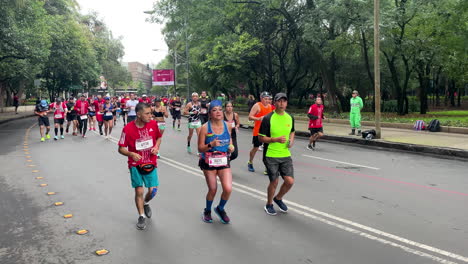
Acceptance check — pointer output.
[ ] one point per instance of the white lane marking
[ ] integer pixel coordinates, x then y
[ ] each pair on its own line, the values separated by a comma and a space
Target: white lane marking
256, 194
253, 192
342, 162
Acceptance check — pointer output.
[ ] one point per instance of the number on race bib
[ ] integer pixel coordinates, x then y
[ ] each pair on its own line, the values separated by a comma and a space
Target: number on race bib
177, 109
83, 117
218, 159
143, 143
108, 113
58, 116
204, 111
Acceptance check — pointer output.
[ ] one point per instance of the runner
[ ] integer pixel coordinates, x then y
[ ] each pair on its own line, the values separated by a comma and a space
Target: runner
60, 108
140, 142
131, 105
193, 109
215, 144
315, 115
123, 106
72, 116
81, 108
205, 103
145, 99
159, 113
176, 105
355, 113
16, 102
232, 119
42, 108
259, 110
98, 105
92, 109
277, 132
107, 110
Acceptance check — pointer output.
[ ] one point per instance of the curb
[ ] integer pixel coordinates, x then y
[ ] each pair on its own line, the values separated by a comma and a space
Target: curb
435, 151
16, 118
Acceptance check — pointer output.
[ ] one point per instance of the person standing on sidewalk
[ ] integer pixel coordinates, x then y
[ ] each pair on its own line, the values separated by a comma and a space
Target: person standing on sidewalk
258, 111
355, 113
16, 102
315, 115
140, 141
277, 133
42, 108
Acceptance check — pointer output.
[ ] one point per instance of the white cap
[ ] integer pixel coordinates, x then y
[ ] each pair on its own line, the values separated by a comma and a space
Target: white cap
143, 95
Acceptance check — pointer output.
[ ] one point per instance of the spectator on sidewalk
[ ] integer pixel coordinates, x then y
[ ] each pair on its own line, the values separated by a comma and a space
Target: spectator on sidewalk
355, 113
315, 115
16, 102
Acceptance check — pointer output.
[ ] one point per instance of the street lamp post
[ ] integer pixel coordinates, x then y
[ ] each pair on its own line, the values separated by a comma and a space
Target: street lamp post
377, 68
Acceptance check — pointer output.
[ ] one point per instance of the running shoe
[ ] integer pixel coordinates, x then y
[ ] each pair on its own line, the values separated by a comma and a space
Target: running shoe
206, 216
74, 134
310, 147
62, 136
42, 139
260, 148
269, 209
250, 166
55, 138
189, 149
178, 129
222, 215
83, 135
141, 224
148, 211
47, 136
66, 130
283, 208
265, 172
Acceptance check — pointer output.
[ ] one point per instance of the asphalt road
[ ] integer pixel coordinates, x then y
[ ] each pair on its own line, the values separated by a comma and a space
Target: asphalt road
349, 205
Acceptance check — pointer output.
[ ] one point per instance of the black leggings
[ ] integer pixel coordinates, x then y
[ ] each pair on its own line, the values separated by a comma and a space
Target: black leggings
83, 124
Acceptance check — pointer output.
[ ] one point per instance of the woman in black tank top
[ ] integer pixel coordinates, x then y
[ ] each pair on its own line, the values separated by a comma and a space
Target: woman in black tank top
232, 120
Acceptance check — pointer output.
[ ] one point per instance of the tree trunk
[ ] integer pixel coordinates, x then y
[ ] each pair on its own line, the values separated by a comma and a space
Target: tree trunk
328, 77
366, 59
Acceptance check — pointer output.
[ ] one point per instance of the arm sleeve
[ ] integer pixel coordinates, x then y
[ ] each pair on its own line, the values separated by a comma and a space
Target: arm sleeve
293, 129
265, 126
361, 104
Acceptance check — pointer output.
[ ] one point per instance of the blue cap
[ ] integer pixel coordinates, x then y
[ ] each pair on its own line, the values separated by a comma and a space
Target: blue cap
44, 103
215, 103
107, 98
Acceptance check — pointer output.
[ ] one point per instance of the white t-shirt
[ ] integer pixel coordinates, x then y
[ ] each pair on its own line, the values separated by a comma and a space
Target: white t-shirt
131, 104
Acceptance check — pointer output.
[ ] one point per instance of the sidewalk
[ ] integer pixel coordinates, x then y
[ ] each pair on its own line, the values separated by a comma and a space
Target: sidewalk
8, 113
441, 143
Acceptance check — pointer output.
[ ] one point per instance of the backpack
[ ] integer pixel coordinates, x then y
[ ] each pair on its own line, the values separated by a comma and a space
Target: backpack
434, 125
419, 125
369, 134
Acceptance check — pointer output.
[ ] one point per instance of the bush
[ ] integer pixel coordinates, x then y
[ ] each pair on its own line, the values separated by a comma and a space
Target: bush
391, 106
239, 100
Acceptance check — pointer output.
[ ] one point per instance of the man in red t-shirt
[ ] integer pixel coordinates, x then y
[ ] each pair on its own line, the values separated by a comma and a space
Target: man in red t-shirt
81, 108
140, 141
315, 115
60, 108
123, 106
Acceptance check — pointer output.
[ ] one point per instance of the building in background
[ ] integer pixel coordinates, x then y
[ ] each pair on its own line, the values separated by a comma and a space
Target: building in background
140, 73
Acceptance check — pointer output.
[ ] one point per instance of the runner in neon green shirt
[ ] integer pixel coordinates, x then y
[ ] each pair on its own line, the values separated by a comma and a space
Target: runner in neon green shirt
355, 113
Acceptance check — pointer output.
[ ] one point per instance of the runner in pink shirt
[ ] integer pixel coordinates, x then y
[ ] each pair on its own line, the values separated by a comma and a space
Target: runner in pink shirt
315, 115
59, 108
81, 108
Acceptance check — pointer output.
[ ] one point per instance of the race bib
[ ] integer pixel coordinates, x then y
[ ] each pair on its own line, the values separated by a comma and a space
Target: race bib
83, 117
161, 124
108, 113
216, 159
177, 108
196, 123
203, 111
233, 124
132, 108
144, 143
58, 116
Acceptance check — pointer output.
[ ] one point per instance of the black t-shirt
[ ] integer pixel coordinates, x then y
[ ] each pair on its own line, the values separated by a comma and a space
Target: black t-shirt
71, 108
204, 101
177, 104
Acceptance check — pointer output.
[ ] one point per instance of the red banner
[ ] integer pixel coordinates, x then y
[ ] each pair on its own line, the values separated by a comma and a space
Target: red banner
163, 77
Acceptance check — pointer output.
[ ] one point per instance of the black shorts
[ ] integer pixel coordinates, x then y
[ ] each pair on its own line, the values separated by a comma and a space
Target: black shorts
278, 167
256, 142
130, 118
204, 166
315, 130
43, 121
71, 117
107, 118
176, 115
59, 121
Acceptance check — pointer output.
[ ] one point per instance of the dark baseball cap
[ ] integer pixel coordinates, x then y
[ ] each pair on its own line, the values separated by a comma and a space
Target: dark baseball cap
265, 94
280, 96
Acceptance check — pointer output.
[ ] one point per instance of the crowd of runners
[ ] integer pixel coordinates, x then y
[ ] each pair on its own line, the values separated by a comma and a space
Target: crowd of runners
215, 125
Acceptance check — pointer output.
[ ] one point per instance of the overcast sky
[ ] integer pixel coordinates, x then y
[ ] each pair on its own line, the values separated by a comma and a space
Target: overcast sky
126, 18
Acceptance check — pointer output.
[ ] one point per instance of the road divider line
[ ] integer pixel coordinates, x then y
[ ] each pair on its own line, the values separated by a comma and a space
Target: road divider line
341, 162
310, 211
